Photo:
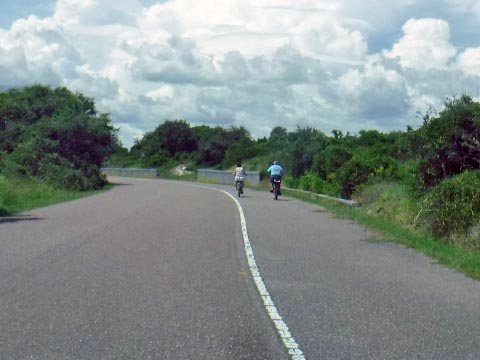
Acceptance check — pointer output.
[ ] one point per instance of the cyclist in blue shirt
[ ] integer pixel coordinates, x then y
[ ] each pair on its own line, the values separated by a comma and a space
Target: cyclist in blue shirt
276, 172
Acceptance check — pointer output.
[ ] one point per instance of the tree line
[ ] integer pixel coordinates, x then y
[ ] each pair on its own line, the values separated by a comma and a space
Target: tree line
445, 145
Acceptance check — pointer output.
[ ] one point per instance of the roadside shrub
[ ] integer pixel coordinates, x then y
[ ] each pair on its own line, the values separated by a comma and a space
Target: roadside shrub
317, 184
312, 182
407, 174
361, 168
470, 240
93, 178
6, 195
353, 173
331, 159
389, 200
450, 142
59, 172
23, 161
305, 182
40, 125
238, 152
331, 186
292, 182
453, 206
13, 170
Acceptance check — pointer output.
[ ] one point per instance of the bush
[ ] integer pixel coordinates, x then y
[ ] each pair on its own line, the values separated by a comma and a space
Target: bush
407, 174
238, 152
331, 186
13, 170
362, 168
450, 142
389, 200
23, 161
332, 158
453, 206
6, 195
59, 172
469, 241
312, 182
304, 182
292, 182
353, 173
54, 136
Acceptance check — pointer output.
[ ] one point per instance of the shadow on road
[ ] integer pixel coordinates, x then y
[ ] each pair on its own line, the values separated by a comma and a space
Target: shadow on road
14, 219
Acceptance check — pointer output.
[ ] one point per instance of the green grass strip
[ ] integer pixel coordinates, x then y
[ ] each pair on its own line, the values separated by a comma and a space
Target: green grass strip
21, 195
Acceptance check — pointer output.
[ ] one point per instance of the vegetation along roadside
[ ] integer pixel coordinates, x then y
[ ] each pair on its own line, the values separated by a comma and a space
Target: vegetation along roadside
420, 187
52, 144
18, 195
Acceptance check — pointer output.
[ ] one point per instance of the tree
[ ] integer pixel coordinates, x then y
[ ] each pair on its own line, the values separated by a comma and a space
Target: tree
331, 159
55, 130
450, 141
211, 143
176, 136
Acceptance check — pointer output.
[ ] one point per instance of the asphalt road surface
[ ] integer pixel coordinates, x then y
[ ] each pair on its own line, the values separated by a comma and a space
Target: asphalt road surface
157, 270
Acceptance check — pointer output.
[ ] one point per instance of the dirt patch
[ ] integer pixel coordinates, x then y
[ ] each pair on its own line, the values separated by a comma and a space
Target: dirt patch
181, 170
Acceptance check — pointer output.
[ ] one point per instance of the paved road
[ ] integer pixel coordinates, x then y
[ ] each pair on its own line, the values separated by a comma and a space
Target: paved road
157, 270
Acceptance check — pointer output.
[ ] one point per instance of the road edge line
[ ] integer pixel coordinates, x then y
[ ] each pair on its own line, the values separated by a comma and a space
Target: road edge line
283, 331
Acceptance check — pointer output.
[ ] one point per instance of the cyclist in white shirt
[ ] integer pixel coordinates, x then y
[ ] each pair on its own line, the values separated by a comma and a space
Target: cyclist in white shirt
239, 174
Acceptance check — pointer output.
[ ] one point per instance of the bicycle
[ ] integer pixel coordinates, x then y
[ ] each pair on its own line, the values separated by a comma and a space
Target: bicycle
276, 187
239, 186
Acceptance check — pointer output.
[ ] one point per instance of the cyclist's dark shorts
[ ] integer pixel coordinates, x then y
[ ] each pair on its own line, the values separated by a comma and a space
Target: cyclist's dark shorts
275, 177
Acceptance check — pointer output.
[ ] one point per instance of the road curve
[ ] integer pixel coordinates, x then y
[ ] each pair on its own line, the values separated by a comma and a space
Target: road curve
149, 270
157, 269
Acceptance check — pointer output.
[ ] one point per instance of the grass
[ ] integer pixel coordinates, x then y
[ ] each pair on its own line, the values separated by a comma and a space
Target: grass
21, 195
466, 262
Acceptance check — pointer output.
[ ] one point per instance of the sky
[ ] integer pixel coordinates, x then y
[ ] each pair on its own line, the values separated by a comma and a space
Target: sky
344, 65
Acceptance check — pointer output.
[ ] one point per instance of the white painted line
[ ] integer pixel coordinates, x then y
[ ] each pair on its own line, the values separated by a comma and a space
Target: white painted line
282, 329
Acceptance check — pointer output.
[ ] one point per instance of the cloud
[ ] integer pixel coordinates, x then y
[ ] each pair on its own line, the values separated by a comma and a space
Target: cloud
425, 45
377, 93
465, 6
35, 49
469, 61
257, 63
97, 13
173, 62
164, 92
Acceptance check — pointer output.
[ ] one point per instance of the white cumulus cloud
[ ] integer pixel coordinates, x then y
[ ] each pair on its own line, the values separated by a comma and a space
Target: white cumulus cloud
340, 64
425, 45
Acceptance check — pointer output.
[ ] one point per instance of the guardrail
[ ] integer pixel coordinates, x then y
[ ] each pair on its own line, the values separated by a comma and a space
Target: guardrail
351, 203
129, 172
225, 177
221, 176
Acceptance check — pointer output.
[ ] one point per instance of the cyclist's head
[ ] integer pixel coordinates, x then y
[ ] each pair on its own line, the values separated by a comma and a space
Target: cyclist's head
239, 164
275, 162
